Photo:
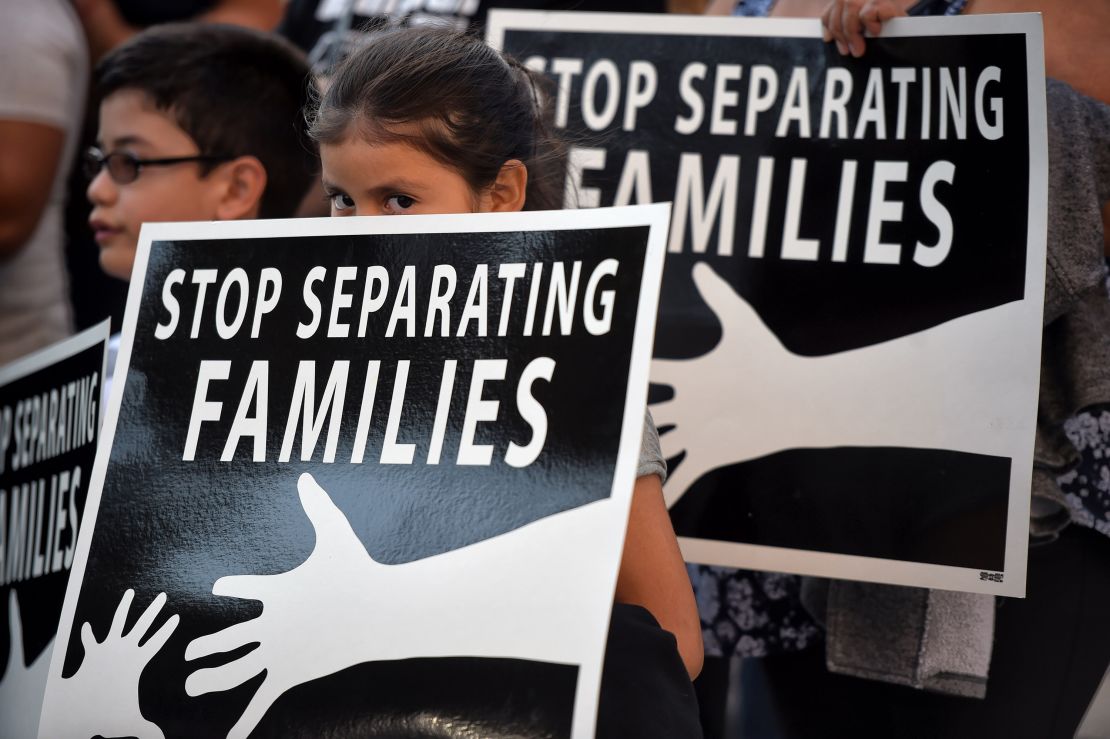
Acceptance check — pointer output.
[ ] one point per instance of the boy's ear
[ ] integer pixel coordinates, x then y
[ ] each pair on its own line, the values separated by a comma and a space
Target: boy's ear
244, 180
508, 191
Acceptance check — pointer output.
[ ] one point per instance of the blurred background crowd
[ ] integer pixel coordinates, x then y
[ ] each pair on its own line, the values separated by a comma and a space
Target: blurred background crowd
768, 672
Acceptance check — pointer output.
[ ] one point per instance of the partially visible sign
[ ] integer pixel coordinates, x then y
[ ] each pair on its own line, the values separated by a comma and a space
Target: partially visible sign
848, 342
364, 476
49, 425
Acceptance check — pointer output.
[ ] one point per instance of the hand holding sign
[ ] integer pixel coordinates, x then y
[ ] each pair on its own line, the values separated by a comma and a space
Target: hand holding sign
846, 20
22, 685
106, 685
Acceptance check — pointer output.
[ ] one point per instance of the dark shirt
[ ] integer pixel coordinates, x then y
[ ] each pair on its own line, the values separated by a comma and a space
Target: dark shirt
320, 29
143, 13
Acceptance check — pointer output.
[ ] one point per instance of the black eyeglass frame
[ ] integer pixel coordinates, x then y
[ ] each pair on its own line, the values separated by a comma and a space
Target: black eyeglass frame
95, 160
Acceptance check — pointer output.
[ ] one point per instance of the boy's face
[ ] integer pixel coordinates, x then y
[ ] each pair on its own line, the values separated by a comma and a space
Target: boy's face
129, 122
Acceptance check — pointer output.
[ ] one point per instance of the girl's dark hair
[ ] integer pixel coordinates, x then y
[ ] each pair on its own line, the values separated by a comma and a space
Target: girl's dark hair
473, 108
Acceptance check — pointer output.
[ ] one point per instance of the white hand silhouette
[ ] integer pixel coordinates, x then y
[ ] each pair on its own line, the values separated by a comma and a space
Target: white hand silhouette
102, 697
23, 685
340, 608
952, 386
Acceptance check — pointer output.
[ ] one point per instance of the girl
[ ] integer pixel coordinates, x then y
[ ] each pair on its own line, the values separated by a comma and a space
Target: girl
427, 121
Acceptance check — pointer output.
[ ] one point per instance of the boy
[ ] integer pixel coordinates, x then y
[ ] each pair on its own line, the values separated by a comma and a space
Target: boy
197, 122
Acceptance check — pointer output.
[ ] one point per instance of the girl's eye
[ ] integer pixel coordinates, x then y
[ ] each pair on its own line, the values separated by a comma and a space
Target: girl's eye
400, 203
341, 201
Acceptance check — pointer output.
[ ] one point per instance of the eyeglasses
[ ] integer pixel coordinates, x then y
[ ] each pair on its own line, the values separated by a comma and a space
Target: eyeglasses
124, 167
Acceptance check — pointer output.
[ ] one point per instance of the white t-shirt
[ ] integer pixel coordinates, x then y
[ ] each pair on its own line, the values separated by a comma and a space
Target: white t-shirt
44, 71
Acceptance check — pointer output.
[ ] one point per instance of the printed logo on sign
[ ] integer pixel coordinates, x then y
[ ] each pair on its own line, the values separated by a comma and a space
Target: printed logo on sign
991, 576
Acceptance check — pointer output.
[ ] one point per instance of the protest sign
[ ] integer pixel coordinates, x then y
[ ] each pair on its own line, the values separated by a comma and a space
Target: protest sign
49, 425
363, 475
846, 358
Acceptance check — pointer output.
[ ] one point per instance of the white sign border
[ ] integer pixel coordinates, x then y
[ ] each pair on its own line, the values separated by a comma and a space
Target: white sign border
41, 359
57, 352
823, 564
655, 216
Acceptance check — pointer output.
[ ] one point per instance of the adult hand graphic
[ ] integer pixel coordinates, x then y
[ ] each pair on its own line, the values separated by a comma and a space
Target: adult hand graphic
750, 396
22, 685
311, 614
340, 608
713, 393
106, 686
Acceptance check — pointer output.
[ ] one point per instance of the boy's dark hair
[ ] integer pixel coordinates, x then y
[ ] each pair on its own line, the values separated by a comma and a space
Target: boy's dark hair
234, 90
474, 108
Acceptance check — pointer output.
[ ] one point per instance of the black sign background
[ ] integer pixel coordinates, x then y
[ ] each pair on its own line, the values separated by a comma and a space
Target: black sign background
935, 506
174, 526
823, 310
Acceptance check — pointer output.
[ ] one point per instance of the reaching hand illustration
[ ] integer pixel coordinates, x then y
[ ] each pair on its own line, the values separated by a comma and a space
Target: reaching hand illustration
714, 392
22, 685
102, 697
340, 608
950, 386
324, 601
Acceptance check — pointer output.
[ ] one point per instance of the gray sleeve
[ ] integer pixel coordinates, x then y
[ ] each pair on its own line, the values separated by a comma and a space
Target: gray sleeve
1078, 188
42, 63
651, 456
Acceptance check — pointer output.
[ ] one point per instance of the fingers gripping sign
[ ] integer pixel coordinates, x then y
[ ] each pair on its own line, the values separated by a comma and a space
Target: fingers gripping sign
106, 685
846, 21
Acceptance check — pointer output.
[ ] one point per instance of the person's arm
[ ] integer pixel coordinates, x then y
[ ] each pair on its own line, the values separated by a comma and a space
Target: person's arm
29, 156
261, 14
798, 8
1106, 228
720, 7
107, 28
653, 574
690, 7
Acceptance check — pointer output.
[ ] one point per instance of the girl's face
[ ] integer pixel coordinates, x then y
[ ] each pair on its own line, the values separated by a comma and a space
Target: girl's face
393, 178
